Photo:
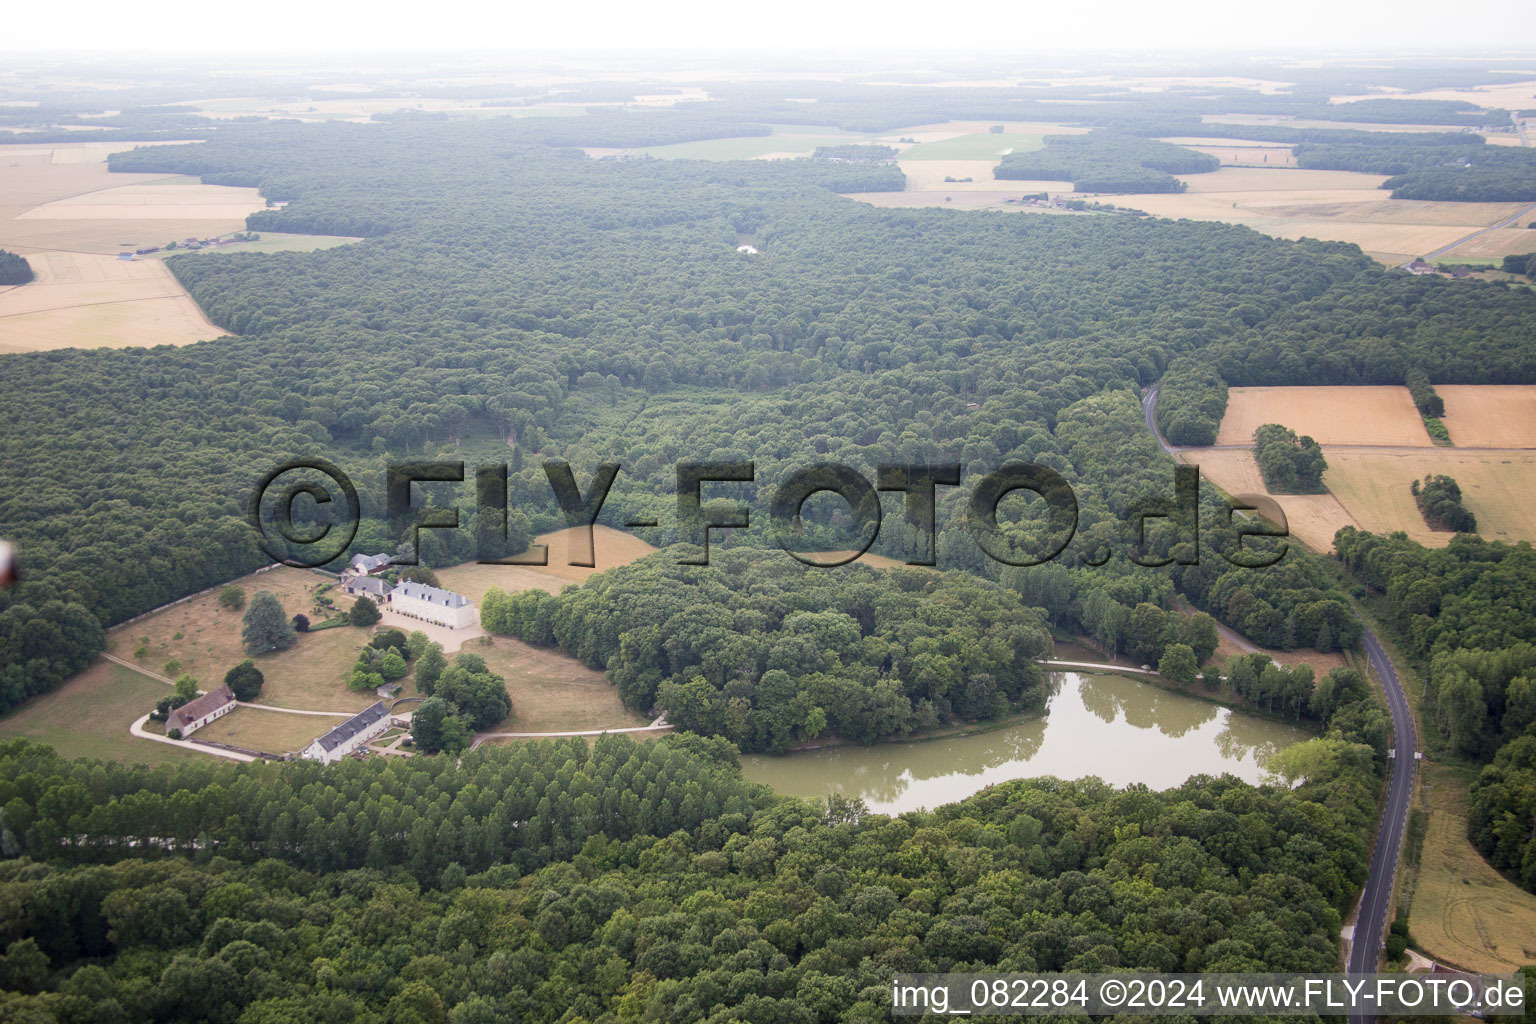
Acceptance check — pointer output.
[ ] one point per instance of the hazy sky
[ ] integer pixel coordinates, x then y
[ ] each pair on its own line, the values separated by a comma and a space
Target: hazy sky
1237, 27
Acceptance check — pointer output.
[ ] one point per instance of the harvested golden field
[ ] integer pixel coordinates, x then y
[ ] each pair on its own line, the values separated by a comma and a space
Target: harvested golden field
202, 637
271, 732
1373, 486
1490, 415
1330, 415
1249, 155
1500, 243
611, 548
62, 209
1462, 912
553, 692
86, 300
1333, 205
1510, 95
1312, 519
89, 715
929, 175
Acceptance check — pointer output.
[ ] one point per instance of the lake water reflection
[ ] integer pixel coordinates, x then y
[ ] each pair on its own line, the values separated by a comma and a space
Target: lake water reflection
1116, 728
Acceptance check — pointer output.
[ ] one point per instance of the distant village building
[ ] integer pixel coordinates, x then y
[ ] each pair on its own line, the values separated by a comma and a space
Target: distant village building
1420, 266
443, 607
353, 734
749, 250
199, 711
126, 257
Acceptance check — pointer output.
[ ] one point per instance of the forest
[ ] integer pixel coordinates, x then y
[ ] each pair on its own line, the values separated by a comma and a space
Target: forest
1289, 464
1439, 501
14, 269
1467, 172
630, 881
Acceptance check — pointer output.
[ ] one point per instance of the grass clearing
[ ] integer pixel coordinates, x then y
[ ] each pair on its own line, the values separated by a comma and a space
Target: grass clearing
1330, 415
270, 732
89, 716
553, 692
1490, 415
1463, 912
611, 548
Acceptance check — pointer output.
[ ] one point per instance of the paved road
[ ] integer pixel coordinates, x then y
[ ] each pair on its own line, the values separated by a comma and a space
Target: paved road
1376, 898
1506, 222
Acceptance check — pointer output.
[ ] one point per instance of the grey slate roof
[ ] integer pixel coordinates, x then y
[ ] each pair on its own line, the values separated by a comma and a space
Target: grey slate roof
370, 585
352, 726
422, 592
197, 707
369, 563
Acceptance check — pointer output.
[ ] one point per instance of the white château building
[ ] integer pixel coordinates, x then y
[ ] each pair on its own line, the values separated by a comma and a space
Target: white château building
353, 734
443, 607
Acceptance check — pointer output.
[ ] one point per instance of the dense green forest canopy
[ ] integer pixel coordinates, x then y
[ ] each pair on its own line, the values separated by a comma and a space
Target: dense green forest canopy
627, 881
597, 311
1104, 161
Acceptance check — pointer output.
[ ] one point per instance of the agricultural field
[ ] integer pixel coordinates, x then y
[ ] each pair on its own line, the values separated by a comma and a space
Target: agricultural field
202, 638
87, 300
553, 692
270, 241
1342, 206
1490, 415
1373, 487
1330, 415
89, 716
1312, 519
975, 146
1463, 912
963, 196
1500, 243
1239, 152
270, 732
70, 217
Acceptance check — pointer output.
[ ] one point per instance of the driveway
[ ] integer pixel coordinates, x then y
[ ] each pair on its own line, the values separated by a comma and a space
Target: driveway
451, 639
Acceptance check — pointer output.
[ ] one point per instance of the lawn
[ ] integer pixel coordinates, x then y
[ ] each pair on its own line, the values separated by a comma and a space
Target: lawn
1463, 912
271, 732
90, 714
553, 692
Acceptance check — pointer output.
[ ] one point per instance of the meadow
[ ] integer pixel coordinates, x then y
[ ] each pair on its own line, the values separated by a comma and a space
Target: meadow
551, 691
1462, 912
90, 714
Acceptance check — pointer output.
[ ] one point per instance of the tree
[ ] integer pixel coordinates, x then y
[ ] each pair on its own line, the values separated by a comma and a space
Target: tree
419, 574
186, 687
244, 680
392, 667
429, 667
1178, 665
232, 597
436, 725
267, 629
364, 612
417, 643
1201, 636
300, 623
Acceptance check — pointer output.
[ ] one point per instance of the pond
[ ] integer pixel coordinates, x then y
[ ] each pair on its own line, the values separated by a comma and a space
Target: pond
1119, 729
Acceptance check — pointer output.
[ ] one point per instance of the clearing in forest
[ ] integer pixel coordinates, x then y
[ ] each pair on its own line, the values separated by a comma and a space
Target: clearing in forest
1330, 415
1490, 415
612, 548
